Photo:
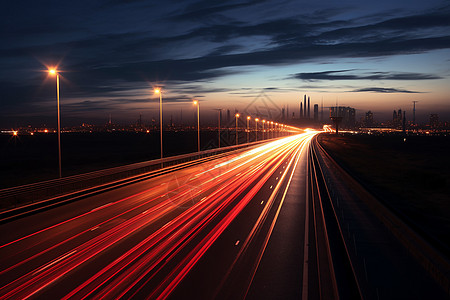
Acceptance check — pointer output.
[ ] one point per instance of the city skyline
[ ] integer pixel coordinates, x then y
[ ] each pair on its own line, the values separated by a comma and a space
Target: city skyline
112, 54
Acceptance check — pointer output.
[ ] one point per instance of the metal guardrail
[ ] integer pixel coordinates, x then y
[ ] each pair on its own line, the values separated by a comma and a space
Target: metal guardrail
20, 196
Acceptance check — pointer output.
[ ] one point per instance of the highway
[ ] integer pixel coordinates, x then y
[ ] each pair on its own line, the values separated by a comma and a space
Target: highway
213, 230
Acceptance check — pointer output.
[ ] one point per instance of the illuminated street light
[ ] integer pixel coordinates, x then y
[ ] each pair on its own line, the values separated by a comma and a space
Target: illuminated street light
158, 91
276, 129
248, 130
237, 117
271, 130
198, 124
256, 129
263, 121
55, 72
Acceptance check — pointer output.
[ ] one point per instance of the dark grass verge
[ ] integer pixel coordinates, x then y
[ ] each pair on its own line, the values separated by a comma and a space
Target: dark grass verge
410, 176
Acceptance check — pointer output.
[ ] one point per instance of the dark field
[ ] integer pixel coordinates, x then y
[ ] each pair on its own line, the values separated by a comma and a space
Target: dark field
26, 159
412, 176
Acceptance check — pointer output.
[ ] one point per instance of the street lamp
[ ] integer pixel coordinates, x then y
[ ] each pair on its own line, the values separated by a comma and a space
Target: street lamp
237, 117
248, 131
159, 91
271, 130
256, 129
263, 121
276, 129
198, 124
55, 72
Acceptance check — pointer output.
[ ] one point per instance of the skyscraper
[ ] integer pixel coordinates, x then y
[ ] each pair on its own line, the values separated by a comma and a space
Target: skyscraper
316, 112
304, 106
309, 115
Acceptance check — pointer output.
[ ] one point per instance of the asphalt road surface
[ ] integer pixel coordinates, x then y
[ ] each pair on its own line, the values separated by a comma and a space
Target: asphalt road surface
212, 230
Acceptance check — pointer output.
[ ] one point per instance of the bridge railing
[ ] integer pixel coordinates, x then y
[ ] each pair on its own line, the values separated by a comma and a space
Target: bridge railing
19, 196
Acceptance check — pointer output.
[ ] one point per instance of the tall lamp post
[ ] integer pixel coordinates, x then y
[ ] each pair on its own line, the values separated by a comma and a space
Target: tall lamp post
198, 124
263, 121
237, 117
271, 129
55, 72
159, 91
248, 130
256, 129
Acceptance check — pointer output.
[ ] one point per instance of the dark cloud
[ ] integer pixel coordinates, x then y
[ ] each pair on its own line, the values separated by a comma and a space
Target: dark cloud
384, 90
206, 9
346, 75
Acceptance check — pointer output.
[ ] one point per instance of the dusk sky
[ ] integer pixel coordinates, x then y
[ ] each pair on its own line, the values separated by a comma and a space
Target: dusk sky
371, 55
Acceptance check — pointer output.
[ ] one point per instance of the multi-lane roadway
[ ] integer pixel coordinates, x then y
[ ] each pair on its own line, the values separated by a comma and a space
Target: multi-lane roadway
232, 227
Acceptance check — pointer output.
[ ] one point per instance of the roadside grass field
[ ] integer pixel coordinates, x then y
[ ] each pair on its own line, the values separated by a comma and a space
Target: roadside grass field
411, 174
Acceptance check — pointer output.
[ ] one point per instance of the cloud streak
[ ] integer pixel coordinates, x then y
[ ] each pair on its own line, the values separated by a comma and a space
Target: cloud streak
384, 90
347, 75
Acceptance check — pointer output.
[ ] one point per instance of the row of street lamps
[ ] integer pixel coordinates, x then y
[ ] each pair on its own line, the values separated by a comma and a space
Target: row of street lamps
159, 92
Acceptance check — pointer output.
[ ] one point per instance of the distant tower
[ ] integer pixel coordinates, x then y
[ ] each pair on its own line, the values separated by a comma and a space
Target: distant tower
309, 115
316, 112
287, 111
301, 110
228, 116
304, 106
282, 113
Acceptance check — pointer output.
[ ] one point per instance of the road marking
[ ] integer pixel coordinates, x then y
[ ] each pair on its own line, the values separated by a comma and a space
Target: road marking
94, 228
100, 207
54, 262
276, 178
238, 174
237, 243
271, 186
262, 202
203, 199
144, 212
